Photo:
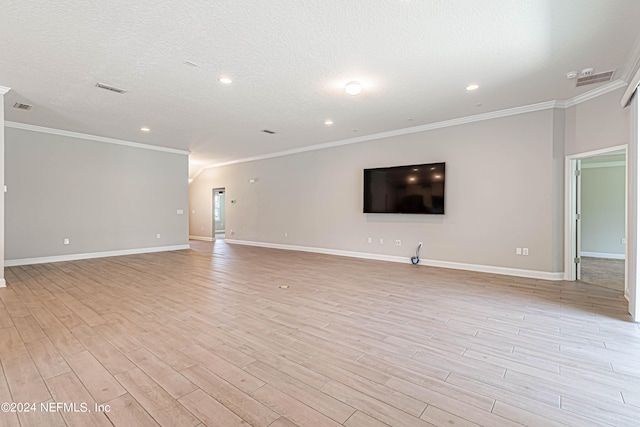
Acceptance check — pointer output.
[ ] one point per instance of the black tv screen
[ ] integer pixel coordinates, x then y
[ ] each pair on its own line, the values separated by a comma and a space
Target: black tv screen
415, 189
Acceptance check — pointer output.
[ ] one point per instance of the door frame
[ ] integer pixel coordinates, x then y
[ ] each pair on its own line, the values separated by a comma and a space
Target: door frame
571, 198
213, 213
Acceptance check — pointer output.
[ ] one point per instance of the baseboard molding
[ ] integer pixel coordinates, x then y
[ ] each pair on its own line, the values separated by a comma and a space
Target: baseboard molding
602, 255
203, 238
3, 283
75, 257
534, 274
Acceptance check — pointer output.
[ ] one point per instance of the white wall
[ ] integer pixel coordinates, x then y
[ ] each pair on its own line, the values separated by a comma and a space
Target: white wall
501, 176
103, 197
603, 211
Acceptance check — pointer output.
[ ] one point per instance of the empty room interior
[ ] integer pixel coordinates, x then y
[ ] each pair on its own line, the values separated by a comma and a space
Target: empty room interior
319, 213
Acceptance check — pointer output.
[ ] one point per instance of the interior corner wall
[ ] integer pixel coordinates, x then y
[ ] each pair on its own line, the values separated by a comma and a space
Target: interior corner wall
499, 196
102, 197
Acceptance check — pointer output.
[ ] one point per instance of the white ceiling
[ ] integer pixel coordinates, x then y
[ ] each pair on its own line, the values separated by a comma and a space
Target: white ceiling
289, 61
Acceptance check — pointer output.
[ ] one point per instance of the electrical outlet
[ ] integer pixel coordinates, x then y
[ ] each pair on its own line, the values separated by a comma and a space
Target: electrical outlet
419, 243
518, 251
66, 241
398, 242
623, 241
525, 251
369, 240
286, 234
180, 212
158, 236
382, 241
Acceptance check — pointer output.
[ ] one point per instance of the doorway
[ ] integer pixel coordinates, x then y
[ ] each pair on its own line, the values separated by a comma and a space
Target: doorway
219, 214
597, 220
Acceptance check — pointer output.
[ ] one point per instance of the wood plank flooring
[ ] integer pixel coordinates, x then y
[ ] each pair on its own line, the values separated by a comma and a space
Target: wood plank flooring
207, 337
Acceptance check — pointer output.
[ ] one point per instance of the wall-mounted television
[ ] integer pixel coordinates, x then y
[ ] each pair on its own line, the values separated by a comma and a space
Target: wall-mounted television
413, 189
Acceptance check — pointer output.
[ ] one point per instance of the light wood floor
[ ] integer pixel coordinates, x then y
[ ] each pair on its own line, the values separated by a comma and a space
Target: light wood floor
603, 272
207, 337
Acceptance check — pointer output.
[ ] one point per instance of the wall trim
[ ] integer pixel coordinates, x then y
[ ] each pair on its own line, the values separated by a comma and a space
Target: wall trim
4, 90
609, 87
70, 134
75, 257
3, 283
534, 274
203, 238
601, 90
606, 255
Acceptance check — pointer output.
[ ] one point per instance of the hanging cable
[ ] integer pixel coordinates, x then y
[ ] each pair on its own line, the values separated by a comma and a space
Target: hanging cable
416, 259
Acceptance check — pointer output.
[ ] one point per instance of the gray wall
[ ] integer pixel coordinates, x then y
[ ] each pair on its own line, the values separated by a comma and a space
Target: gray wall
103, 197
598, 123
603, 209
501, 176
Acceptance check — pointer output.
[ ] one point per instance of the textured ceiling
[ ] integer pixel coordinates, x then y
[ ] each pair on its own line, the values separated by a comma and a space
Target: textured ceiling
289, 61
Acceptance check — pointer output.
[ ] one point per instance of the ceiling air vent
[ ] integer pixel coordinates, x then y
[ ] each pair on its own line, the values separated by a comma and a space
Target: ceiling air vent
21, 106
595, 78
270, 132
109, 87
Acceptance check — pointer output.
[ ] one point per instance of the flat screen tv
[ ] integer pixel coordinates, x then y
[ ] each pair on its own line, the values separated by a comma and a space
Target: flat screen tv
414, 189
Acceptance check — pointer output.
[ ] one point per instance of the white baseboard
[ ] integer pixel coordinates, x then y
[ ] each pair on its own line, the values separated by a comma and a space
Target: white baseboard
602, 255
75, 257
3, 283
534, 274
203, 238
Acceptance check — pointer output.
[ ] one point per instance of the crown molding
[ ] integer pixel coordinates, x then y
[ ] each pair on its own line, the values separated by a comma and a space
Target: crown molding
633, 61
397, 132
599, 91
60, 132
4, 89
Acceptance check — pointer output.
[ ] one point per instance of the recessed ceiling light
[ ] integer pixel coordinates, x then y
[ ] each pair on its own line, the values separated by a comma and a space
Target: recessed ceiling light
353, 88
328, 122
145, 129
413, 178
472, 87
225, 80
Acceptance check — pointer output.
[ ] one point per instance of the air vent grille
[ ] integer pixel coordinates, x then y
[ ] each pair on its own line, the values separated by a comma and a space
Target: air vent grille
109, 87
595, 78
21, 106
